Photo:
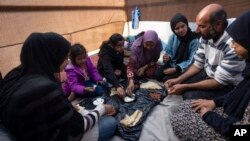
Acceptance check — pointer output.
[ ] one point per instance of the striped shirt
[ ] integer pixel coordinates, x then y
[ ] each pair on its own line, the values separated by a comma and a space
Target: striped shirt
90, 118
219, 60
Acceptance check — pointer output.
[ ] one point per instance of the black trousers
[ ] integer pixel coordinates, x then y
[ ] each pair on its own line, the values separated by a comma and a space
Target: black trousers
204, 94
160, 76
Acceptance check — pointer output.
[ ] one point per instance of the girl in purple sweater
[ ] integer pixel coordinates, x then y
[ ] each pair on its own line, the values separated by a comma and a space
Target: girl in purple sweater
83, 79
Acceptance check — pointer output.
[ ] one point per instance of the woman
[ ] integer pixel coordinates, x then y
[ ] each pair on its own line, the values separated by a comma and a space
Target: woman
145, 53
110, 63
212, 118
32, 104
179, 51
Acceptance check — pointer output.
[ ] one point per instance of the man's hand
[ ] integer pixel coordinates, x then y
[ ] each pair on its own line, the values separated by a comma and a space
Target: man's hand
169, 83
176, 89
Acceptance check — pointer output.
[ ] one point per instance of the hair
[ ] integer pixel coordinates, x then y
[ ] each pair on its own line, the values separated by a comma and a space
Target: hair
178, 17
115, 38
77, 49
219, 15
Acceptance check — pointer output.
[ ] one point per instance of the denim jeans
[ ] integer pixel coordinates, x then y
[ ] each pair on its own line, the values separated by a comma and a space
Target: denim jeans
107, 127
99, 90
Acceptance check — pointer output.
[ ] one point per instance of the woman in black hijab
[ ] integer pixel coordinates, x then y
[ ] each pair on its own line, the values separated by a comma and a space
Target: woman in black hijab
32, 104
180, 50
221, 112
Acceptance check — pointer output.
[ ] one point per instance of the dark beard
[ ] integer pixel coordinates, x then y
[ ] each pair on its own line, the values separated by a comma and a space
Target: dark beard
212, 35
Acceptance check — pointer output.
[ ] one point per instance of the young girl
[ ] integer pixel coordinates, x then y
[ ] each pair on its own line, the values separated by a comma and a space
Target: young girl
180, 50
110, 63
83, 79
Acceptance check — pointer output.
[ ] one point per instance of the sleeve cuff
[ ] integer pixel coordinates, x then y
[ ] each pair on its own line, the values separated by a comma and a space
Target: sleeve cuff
100, 109
206, 115
218, 101
178, 68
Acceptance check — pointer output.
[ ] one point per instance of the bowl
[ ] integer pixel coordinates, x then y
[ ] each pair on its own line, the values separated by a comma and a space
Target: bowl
98, 101
129, 98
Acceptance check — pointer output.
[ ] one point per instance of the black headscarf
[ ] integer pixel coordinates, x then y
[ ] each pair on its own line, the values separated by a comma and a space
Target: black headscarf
182, 50
238, 99
239, 30
42, 53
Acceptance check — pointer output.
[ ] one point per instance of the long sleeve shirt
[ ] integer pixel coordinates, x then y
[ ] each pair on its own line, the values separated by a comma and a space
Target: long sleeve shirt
171, 50
219, 60
109, 61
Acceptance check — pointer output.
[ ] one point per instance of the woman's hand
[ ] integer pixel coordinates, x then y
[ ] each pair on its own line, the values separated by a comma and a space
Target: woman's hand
130, 88
71, 96
120, 92
109, 110
203, 105
166, 58
203, 110
141, 70
169, 71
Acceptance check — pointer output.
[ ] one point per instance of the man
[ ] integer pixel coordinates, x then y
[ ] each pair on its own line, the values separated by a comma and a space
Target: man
216, 69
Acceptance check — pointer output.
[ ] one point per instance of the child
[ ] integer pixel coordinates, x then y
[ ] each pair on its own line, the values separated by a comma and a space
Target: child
110, 63
83, 79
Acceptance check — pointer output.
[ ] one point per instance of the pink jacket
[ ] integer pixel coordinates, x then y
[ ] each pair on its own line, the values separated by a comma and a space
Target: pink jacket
75, 77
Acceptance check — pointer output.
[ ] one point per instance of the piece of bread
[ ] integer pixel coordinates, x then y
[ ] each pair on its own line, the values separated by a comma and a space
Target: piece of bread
150, 85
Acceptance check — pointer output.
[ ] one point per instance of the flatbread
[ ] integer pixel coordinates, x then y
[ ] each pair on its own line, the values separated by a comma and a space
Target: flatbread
150, 85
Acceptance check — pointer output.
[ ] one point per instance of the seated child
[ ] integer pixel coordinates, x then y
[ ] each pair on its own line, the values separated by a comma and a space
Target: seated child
110, 63
83, 79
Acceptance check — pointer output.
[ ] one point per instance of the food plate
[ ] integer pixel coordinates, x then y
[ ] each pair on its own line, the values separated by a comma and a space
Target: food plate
129, 98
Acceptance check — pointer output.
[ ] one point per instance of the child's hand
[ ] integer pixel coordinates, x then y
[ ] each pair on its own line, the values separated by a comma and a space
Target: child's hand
101, 82
89, 89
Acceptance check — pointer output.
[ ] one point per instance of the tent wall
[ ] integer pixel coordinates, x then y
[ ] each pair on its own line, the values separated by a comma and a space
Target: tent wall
163, 10
81, 21
87, 21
